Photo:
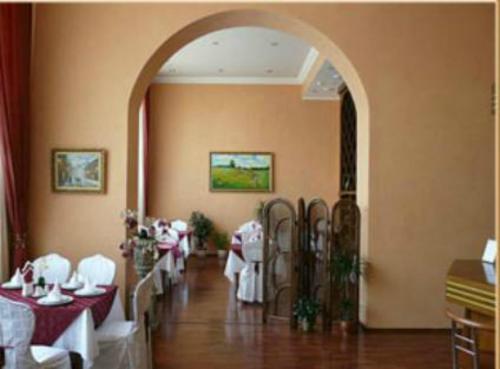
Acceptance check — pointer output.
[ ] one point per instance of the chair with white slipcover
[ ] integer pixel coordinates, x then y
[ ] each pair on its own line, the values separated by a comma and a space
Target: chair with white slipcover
182, 226
127, 344
17, 324
251, 277
53, 267
98, 269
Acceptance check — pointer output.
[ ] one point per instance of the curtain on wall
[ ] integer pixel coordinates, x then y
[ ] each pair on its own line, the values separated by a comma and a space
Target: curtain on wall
15, 51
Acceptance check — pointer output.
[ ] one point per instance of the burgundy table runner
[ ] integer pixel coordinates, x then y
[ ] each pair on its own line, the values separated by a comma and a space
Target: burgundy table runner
236, 248
164, 247
51, 322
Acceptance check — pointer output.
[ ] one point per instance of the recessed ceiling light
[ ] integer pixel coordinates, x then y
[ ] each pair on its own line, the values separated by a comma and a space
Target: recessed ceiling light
215, 43
275, 43
269, 71
221, 70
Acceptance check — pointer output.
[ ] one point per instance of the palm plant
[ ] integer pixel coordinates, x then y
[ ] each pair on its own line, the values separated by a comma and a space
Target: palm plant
346, 270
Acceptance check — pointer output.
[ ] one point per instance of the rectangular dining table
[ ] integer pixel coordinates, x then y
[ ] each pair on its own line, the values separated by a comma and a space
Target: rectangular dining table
72, 326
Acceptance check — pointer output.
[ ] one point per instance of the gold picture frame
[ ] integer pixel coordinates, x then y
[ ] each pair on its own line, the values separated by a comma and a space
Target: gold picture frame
79, 170
241, 171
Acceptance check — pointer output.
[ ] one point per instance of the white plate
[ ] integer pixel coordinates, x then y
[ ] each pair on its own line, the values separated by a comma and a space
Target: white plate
71, 287
96, 292
9, 286
64, 300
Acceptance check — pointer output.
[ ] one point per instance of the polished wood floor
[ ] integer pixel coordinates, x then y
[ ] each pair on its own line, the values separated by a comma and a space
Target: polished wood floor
204, 327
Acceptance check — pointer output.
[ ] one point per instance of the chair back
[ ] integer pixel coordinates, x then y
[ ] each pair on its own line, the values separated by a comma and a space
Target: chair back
252, 252
98, 268
179, 225
465, 338
53, 267
142, 300
17, 323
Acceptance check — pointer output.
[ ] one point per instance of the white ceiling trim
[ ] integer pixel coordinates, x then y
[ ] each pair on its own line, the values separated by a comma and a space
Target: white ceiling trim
227, 80
311, 57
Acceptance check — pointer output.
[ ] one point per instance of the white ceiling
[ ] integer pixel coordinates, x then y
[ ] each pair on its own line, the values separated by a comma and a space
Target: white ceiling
243, 55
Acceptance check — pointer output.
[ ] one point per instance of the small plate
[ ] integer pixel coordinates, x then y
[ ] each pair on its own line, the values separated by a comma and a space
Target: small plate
64, 301
9, 286
71, 287
96, 292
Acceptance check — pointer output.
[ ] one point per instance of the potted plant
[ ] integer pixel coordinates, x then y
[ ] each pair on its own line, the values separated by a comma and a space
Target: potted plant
346, 270
306, 310
202, 228
221, 241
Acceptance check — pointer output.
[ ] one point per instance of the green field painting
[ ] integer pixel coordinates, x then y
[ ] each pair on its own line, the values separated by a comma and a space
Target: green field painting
251, 172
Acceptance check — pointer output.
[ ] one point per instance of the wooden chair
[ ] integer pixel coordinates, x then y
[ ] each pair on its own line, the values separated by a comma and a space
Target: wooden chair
465, 338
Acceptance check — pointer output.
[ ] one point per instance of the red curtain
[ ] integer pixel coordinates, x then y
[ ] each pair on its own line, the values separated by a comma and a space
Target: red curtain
15, 52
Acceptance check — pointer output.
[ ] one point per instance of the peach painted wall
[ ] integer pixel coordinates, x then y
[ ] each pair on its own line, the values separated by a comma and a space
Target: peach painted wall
427, 70
189, 121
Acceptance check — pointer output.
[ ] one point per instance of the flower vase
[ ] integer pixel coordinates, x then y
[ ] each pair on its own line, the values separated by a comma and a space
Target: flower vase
144, 256
144, 262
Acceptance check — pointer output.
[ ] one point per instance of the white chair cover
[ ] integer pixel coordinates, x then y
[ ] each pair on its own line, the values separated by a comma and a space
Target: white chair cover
53, 267
17, 323
99, 269
182, 226
251, 277
126, 344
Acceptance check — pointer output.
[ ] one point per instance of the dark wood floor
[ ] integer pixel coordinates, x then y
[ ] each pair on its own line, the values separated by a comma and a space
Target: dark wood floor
204, 327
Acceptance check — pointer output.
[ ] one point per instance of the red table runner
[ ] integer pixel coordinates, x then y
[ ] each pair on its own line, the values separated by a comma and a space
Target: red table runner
236, 248
51, 322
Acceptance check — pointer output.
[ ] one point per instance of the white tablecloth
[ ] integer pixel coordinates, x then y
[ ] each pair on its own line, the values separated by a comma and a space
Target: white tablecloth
80, 336
171, 266
234, 264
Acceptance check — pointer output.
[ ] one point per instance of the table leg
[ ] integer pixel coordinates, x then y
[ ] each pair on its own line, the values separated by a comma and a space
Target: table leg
236, 283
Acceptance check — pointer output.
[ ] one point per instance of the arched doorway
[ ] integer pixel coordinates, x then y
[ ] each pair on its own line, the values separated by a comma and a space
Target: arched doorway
256, 18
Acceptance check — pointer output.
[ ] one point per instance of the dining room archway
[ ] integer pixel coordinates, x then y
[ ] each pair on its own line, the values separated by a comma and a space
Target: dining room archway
276, 21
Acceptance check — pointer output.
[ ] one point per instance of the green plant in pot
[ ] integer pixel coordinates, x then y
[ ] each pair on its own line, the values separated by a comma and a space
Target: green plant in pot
306, 311
202, 228
346, 270
221, 241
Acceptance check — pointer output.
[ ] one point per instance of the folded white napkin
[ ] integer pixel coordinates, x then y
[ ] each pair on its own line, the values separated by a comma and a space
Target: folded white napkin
55, 293
39, 291
88, 285
17, 278
74, 280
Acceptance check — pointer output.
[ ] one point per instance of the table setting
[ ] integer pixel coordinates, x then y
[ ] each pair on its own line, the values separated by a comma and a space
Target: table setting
68, 314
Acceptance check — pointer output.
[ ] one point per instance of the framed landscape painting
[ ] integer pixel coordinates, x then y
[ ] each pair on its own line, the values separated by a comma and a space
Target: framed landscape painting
241, 171
79, 170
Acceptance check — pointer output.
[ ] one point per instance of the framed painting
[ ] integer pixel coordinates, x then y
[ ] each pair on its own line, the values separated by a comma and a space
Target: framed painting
82, 171
241, 171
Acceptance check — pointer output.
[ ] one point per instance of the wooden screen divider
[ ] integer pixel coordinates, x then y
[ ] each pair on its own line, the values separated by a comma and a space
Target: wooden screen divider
299, 247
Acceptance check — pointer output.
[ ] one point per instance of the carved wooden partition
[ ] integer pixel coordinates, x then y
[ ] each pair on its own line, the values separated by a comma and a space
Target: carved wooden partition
345, 228
280, 260
298, 249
